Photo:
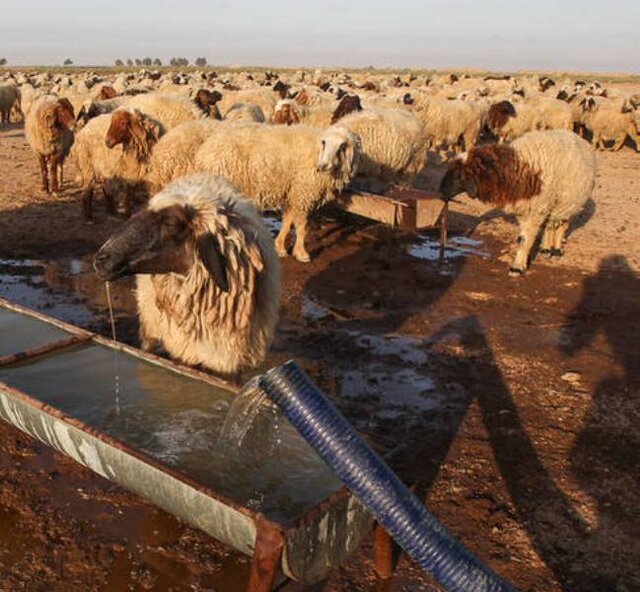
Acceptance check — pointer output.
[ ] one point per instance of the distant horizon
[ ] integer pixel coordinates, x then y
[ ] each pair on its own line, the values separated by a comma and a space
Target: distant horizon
574, 36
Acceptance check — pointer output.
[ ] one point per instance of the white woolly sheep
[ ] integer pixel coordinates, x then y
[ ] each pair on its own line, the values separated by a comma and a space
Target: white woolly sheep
48, 132
295, 169
169, 110
447, 123
544, 178
393, 143
245, 112
207, 275
610, 121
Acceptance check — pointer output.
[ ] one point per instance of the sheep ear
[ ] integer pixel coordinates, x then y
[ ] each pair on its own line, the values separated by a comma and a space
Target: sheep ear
352, 153
213, 260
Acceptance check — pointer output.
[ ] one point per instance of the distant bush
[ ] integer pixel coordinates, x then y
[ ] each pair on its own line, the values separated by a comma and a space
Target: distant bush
201, 62
157, 62
3, 62
129, 62
179, 62
68, 62
119, 63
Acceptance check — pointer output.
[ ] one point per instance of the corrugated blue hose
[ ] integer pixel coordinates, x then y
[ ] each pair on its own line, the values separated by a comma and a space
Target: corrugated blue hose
389, 500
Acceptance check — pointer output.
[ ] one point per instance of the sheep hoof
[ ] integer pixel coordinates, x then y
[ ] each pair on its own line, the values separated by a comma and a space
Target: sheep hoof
89, 222
545, 252
557, 252
282, 252
515, 272
302, 257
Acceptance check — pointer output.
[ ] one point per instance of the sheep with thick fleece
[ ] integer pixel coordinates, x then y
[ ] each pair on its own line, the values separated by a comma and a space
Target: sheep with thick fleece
292, 168
553, 114
47, 129
393, 144
9, 100
245, 112
447, 123
168, 110
207, 275
507, 122
610, 120
544, 178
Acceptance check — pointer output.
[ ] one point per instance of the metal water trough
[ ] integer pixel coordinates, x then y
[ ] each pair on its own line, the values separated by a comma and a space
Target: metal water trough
405, 208
56, 384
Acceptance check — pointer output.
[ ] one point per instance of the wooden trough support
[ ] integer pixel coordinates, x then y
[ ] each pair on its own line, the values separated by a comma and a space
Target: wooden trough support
77, 420
405, 208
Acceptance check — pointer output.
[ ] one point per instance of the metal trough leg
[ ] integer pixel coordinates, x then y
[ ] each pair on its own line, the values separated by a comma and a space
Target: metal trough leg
266, 558
382, 553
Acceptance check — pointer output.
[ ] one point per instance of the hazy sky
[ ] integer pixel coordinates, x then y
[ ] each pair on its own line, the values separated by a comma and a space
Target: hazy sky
544, 34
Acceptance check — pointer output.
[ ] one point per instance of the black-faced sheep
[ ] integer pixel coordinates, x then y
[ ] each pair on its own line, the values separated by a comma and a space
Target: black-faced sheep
207, 275
544, 178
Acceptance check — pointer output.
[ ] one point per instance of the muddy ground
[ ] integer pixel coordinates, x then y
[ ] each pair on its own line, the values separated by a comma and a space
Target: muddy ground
511, 405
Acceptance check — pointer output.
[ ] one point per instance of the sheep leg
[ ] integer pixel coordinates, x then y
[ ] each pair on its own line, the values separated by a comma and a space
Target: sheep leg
558, 238
618, 143
53, 174
285, 227
299, 251
546, 244
528, 231
87, 203
60, 171
43, 173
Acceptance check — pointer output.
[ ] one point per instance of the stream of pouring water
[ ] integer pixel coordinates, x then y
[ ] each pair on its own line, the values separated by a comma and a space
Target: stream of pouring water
116, 352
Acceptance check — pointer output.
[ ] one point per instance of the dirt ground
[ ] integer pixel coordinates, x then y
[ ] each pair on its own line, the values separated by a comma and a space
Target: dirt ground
531, 455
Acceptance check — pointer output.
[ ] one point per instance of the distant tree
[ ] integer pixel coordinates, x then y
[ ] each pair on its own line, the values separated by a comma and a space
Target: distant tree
3, 62
147, 62
201, 62
179, 62
68, 62
119, 63
129, 62
138, 62
157, 62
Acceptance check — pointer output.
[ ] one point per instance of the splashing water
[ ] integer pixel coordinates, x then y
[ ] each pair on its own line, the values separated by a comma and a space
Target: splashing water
116, 352
243, 415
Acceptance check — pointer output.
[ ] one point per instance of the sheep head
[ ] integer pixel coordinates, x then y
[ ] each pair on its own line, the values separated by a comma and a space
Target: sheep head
348, 104
206, 101
106, 92
161, 241
302, 97
285, 114
339, 152
499, 114
59, 115
589, 104
281, 88
493, 174
134, 130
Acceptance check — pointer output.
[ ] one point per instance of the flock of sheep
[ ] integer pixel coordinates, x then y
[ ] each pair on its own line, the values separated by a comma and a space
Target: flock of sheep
207, 149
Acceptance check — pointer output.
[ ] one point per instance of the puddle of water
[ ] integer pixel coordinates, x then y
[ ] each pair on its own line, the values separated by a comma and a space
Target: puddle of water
407, 349
312, 311
458, 246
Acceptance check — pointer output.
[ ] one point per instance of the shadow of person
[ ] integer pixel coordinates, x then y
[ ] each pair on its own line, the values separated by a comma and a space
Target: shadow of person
606, 454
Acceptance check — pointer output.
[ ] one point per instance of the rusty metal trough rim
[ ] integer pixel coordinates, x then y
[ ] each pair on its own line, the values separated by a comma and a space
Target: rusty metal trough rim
82, 336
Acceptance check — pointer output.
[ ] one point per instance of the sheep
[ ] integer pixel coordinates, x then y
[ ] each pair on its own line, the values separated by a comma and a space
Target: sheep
48, 132
543, 177
9, 101
446, 122
206, 100
91, 109
553, 114
207, 275
265, 99
295, 169
168, 110
393, 143
609, 120
508, 123
245, 112
288, 112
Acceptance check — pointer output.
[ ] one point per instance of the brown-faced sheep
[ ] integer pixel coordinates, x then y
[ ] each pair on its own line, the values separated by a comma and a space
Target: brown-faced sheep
292, 168
207, 275
508, 123
544, 178
48, 132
